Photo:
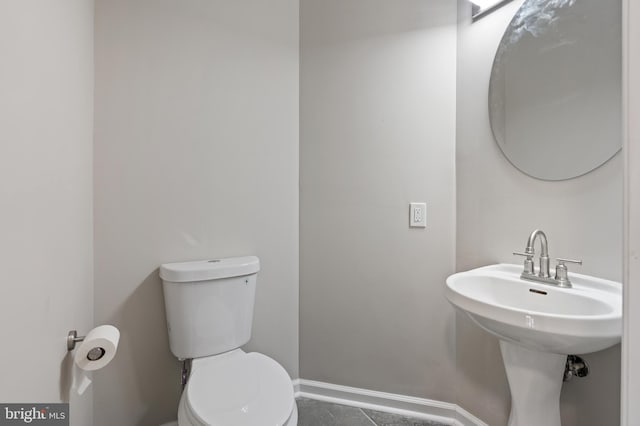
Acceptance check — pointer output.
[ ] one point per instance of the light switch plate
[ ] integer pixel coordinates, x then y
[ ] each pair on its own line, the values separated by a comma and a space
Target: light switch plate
417, 215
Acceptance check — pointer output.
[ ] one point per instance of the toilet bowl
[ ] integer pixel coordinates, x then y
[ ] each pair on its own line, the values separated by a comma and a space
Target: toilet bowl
237, 389
209, 306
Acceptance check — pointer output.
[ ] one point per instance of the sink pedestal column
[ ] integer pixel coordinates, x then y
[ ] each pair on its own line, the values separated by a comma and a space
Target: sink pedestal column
535, 381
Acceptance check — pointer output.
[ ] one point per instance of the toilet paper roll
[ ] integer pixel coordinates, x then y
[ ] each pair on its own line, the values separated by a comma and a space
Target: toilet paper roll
81, 380
98, 348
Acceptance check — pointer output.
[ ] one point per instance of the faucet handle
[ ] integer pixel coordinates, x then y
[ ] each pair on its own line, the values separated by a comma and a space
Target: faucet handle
529, 255
562, 261
562, 274
528, 262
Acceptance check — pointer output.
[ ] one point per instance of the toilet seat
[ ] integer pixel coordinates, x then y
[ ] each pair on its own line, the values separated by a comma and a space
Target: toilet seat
237, 389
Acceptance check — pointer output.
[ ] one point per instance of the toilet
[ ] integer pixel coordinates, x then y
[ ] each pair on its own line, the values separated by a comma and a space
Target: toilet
209, 307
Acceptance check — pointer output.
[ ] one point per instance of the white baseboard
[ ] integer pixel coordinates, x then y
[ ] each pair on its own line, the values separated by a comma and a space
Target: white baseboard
427, 409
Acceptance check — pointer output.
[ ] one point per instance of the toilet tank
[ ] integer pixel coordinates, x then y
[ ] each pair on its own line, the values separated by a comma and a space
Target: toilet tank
209, 304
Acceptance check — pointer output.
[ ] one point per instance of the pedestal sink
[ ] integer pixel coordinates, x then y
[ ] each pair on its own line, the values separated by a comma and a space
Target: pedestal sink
538, 326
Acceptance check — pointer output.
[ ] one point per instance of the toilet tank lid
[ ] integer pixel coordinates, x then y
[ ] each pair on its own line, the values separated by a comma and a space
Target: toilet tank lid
202, 270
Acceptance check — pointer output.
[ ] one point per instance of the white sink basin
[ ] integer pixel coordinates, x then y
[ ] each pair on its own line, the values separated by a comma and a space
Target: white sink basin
582, 319
538, 325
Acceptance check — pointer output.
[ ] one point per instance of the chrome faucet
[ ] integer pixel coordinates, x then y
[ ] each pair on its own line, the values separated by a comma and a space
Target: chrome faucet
561, 277
544, 255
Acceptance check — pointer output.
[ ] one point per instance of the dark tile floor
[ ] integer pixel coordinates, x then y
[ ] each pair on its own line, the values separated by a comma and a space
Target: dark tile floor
318, 413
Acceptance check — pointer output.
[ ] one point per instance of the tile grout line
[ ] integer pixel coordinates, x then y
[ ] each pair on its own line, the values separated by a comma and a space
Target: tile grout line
367, 416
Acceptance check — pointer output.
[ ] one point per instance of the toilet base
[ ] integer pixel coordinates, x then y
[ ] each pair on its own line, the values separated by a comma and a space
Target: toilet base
293, 419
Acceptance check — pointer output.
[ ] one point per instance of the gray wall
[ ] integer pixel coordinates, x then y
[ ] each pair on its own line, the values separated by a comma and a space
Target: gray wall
631, 336
196, 157
46, 119
378, 132
497, 208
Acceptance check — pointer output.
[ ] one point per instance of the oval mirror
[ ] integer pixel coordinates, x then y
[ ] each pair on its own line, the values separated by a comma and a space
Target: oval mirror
555, 96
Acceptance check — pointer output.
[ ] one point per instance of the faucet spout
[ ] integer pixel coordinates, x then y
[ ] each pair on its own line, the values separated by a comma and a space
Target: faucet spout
529, 273
544, 252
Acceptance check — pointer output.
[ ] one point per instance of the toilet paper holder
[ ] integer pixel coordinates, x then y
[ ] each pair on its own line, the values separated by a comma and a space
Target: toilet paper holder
73, 338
